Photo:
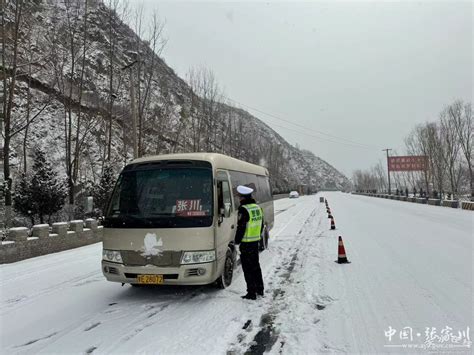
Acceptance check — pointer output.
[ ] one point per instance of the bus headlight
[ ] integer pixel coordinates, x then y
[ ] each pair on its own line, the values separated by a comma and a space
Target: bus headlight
112, 255
198, 257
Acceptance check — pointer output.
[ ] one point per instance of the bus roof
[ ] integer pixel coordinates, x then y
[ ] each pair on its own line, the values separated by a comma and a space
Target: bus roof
218, 161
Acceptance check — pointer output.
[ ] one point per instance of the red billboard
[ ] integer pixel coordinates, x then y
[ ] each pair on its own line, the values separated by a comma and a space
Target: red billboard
407, 163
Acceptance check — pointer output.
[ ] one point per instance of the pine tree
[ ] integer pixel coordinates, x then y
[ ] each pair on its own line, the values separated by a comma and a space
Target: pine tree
43, 194
48, 191
22, 197
102, 191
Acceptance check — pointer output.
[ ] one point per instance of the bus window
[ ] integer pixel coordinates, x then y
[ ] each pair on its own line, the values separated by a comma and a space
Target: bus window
226, 194
250, 180
163, 197
264, 187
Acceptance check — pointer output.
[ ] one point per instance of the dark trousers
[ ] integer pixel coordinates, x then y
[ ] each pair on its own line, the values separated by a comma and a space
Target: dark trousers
251, 267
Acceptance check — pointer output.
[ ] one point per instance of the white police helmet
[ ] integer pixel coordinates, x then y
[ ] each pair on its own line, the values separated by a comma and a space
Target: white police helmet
244, 190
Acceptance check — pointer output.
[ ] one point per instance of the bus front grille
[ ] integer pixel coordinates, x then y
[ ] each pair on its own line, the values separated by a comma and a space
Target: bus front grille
166, 258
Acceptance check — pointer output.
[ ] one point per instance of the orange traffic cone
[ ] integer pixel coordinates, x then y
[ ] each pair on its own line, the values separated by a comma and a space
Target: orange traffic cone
341, 253
333, 225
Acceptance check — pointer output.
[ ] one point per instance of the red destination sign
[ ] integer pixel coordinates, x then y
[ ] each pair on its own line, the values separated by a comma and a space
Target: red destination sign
189, 208
407, 163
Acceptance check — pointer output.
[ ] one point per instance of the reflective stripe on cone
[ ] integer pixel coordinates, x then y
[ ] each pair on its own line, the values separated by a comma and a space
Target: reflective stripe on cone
341, 253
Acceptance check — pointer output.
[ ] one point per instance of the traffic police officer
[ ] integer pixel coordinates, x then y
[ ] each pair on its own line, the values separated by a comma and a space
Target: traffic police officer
249, 228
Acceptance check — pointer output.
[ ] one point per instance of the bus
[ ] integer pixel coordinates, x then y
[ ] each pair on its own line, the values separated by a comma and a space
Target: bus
172, 219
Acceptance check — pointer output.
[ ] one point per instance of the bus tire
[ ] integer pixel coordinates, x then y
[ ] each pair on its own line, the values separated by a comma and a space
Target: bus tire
225, 279
263, 239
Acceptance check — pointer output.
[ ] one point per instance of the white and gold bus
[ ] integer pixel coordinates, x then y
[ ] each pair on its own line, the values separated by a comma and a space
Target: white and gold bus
172, 219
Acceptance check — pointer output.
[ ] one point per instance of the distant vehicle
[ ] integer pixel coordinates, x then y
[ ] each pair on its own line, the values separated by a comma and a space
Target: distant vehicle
294, 194
172, 219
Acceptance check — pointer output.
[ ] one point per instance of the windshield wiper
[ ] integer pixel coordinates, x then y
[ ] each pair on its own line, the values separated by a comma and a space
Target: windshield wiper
134, 219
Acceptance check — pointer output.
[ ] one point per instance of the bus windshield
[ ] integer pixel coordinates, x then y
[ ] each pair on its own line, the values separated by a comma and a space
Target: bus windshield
162, 198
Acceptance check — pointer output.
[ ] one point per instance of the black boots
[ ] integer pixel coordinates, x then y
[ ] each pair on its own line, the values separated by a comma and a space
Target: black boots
249, 296
252, 296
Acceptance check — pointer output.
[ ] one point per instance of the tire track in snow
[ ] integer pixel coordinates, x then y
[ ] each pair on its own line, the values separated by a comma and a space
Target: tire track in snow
298, 284
266, 334
284, 210
144, 320
92, 326
30, 342
303, 301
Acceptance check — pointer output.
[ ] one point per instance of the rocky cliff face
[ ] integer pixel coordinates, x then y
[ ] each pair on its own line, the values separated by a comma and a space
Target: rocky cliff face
71, 75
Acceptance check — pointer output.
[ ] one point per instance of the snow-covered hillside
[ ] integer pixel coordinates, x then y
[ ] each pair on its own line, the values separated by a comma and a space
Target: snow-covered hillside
170, 114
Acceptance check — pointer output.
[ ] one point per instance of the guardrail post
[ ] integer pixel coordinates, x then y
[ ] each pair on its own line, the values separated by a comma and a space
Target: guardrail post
18, 234
40, 230
77, 226
60, 228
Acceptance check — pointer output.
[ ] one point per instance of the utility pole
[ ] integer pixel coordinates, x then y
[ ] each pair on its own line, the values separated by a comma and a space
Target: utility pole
132, 108
388, 171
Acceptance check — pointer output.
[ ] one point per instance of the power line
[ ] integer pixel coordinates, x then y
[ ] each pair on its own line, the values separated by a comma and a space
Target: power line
352, 143
322, 138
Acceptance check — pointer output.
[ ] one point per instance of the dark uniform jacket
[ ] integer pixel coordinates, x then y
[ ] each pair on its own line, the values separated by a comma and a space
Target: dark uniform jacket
243, 218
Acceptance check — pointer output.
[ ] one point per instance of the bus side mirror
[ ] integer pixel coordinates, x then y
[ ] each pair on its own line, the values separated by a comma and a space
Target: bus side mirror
224, 212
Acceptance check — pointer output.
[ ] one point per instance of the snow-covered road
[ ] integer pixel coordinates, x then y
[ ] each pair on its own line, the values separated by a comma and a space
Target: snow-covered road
411, 267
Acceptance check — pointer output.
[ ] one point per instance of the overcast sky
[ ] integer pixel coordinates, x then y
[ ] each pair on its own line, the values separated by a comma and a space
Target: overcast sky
366, 72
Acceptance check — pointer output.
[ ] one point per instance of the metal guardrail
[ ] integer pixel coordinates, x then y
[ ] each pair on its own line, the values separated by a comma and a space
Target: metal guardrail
465, 205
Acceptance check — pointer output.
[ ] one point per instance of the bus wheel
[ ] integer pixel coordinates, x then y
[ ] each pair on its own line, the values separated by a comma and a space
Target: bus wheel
226, 277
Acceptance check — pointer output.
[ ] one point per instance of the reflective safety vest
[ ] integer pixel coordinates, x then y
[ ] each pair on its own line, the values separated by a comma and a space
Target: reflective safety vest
254, 225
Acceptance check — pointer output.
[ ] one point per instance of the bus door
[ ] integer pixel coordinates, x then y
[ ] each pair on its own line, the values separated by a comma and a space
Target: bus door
226, 218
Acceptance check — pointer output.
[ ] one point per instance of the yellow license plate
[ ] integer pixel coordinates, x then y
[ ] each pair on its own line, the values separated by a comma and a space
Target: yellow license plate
150, 279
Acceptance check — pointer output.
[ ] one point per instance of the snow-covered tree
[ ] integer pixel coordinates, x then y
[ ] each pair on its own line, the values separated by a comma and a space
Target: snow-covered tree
22, 196
102, 191
43, 193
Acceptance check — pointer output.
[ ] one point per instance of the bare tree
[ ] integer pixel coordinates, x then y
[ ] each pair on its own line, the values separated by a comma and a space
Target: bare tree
155, 45
204, 84
461, 118
193, 80
69, 44
380, 175
422, 139
77, 138
9, 69
451, 149
116, 14
16, 34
